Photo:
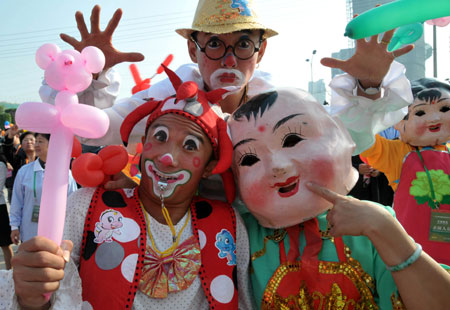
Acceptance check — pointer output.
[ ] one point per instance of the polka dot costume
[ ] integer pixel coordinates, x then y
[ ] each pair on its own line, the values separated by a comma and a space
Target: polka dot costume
112, 266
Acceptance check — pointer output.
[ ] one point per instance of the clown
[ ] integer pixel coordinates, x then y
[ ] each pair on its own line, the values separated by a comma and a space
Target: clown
287, 151
418, 165
166, 255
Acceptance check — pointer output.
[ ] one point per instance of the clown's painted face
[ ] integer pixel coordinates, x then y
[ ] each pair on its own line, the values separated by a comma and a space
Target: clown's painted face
276, 151
177, 151
228, 70
428, 120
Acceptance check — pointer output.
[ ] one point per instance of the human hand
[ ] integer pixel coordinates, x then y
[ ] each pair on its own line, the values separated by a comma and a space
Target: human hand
15, 236
365, 169
371, 60
120, 180
100, 39
38, 267
375, 173
351, 216
12, 131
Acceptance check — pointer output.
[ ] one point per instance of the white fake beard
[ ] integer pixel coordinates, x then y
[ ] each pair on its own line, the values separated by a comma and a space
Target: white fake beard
215, 78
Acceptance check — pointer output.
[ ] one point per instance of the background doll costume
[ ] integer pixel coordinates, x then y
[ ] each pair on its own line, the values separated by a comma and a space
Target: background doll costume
420, 208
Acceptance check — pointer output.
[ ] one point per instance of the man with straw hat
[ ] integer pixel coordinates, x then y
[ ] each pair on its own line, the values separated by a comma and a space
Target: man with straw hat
226, 42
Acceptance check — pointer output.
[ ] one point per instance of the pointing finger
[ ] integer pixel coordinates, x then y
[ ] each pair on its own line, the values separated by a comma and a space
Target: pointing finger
323, 192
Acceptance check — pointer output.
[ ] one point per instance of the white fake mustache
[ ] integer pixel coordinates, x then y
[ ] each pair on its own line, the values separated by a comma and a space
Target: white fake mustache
215, 78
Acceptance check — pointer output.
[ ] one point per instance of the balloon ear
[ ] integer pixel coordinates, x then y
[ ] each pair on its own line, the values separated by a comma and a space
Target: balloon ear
46, 54
114, 157
87, 170
93, 58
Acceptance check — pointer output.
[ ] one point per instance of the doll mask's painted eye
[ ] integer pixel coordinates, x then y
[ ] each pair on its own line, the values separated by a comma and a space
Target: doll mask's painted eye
445, 109
291, 140
248, 159
419, 113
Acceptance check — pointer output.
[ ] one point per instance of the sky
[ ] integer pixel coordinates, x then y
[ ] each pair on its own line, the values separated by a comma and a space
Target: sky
147, 26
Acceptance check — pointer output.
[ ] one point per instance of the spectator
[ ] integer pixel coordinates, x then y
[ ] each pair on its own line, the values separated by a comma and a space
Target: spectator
372, 184
27, 193
5, 229
19, 150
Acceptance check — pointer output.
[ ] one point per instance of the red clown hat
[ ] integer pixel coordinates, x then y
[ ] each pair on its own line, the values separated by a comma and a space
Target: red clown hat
198, 106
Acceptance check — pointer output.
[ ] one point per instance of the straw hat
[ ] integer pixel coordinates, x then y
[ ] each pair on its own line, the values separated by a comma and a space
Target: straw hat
225, 16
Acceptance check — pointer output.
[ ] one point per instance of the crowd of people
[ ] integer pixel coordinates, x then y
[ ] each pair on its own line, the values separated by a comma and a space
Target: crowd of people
243, 200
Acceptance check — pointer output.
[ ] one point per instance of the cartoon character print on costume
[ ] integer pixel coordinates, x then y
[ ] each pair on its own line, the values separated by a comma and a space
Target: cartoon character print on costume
227, 247
110, 223
242, 6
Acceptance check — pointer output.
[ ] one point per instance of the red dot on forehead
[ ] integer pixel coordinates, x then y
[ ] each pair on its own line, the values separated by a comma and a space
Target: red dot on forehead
148, 146
262, 128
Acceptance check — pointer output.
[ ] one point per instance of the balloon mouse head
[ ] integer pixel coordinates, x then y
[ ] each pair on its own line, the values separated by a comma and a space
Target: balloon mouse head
69, 69
428, 120
197, 106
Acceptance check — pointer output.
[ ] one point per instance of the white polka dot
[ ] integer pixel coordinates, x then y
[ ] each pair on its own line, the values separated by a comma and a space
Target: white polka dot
222, 289
129, 267
201, 238
86, 306
129, 231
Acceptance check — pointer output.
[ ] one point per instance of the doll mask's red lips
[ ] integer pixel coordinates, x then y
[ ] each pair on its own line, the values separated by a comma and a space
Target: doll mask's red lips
288, 188
435, 128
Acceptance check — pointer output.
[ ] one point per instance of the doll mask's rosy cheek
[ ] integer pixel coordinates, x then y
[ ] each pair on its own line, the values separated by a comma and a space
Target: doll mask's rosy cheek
420, 129
255, 187
324, 169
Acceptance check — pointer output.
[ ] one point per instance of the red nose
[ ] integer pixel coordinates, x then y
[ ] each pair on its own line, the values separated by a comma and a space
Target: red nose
166, 160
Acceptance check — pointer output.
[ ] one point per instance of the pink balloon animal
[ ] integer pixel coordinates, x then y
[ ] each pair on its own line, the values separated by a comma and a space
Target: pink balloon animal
69, 72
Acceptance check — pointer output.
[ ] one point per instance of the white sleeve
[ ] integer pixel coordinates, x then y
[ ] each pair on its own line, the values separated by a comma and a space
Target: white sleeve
245, 298
363, 117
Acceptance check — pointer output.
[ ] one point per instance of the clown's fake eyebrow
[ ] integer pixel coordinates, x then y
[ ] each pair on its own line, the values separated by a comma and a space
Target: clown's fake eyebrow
284, 120
242, 142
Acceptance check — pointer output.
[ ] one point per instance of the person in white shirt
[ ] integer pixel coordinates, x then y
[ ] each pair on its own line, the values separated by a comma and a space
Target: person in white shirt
27, 190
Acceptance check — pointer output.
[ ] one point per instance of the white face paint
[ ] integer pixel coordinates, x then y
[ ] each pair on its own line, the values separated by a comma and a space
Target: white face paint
172, 179
226, 77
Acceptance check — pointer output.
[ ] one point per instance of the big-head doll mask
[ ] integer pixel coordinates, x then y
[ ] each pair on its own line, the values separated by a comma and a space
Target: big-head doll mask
281, 140
428, 120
